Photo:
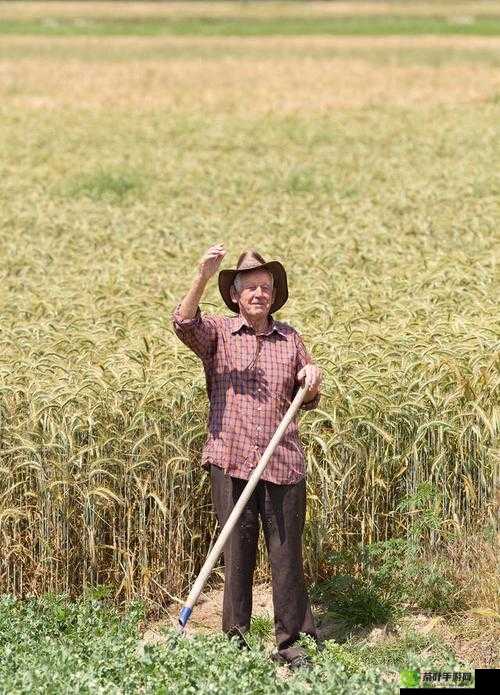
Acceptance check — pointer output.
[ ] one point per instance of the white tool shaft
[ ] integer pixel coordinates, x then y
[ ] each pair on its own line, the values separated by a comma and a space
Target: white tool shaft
242, 500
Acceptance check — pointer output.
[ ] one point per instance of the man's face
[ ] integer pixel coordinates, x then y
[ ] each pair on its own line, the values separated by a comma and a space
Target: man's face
256, 295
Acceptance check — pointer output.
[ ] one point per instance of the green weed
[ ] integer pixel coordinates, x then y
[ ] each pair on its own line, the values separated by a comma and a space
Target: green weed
262, 627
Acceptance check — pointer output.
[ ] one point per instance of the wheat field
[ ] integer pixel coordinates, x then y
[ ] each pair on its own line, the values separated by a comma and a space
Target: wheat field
369, 166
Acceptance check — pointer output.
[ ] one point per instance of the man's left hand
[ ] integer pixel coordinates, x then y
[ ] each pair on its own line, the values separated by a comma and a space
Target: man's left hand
310, 375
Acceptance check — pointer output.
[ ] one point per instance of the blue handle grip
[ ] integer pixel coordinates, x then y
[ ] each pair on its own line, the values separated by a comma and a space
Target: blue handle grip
184, 616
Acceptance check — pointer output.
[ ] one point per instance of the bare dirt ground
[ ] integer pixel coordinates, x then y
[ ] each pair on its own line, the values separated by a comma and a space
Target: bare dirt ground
473, 641
207, 615
207, 618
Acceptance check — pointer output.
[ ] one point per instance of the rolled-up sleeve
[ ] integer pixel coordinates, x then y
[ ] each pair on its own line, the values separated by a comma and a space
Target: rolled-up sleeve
303, 358
198, 333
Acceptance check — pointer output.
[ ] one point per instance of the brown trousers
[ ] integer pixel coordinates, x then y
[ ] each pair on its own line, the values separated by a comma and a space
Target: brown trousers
282, 511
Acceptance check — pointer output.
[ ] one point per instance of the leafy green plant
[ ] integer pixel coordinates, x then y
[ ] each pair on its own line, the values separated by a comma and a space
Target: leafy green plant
56, 645
351, 661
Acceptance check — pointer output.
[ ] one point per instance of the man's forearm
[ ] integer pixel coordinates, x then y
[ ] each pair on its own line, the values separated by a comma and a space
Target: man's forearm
189, 305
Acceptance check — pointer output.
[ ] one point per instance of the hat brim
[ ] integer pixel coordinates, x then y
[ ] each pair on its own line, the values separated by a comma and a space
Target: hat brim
277, 270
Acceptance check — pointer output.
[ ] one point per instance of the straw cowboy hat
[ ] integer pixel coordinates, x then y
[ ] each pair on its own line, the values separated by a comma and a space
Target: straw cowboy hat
251, 260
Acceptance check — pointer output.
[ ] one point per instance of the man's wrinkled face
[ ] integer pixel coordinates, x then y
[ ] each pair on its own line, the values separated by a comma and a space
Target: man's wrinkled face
256, 294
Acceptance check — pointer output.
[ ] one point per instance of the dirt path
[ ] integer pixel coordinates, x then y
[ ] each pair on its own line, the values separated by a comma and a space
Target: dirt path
207, 617
470, 642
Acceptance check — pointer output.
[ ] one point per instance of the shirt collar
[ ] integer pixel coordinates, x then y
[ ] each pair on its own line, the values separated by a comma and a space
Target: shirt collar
239, 321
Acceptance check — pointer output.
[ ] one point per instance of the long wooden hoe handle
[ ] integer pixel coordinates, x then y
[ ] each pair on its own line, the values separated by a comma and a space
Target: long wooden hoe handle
213, 555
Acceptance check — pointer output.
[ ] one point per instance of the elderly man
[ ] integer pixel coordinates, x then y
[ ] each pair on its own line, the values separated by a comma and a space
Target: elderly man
253, 368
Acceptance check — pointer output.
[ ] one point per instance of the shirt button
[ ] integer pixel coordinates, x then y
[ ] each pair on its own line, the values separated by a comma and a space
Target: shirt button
259, 390
259, 427
259, 408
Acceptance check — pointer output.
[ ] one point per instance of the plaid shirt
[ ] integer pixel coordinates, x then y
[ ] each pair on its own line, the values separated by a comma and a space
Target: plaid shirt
251, 380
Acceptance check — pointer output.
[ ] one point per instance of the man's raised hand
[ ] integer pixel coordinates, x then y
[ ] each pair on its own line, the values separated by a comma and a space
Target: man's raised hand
211, 260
